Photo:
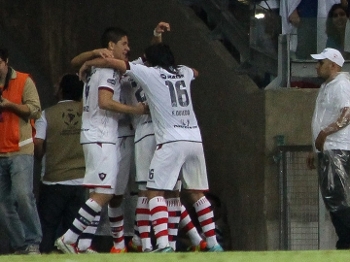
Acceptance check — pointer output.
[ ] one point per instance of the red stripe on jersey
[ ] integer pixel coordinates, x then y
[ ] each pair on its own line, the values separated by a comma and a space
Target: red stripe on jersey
142, 211
162, 233
173, 214
118, 240
160, 221
209, 233
188, 227
203, 211
159, 209
142, 223
144, 235
206, 222
172, 238
173, 225
115, 219
93, 186
184, 214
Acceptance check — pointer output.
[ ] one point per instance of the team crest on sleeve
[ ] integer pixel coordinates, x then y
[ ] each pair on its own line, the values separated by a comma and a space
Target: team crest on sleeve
102, 176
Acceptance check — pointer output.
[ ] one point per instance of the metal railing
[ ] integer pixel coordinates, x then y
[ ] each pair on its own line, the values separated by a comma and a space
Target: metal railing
299, 200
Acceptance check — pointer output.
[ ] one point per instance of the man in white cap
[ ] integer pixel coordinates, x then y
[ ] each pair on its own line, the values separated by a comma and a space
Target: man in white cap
331, 141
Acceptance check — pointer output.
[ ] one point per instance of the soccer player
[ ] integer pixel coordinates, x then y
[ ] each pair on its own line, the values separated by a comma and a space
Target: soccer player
101, 108
179, 144
125, 147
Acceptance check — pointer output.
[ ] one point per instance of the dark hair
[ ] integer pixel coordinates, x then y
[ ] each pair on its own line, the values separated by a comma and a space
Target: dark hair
113, 34
331, 31
4, 53
162, 56
71, 87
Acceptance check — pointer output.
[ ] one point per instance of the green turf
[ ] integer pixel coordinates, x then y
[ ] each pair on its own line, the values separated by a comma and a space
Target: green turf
268, 256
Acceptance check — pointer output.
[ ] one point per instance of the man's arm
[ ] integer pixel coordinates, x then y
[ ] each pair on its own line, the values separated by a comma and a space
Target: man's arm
30, 107
40, 136
80, 59
342, 122
19, 109
157, 32
106, 102
294, 18
39, 148
114, 63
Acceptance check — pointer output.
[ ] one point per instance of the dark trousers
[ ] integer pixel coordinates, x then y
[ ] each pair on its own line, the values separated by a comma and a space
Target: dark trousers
58, 206
334, 171
341, 223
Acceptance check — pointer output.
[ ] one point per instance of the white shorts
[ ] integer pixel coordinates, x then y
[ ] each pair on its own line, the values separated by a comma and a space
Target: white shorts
126, 160
101, 167
171, 159
144, 150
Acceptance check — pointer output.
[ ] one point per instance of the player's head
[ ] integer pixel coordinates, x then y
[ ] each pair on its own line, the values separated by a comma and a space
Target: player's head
116, 40
162, 56
4, 54
4, 59
71, 88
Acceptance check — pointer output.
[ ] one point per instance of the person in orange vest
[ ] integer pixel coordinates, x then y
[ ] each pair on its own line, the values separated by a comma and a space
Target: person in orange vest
19, 106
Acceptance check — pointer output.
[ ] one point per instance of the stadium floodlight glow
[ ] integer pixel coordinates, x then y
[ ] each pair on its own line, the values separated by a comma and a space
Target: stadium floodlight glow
259, 16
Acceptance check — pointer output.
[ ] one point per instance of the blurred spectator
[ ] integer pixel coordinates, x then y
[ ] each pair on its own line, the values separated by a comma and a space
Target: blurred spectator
61, 191
335, 27
19, 107
304, 21
304, 17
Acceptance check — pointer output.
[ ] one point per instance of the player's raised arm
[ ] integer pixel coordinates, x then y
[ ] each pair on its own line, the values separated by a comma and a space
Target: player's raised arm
157, 32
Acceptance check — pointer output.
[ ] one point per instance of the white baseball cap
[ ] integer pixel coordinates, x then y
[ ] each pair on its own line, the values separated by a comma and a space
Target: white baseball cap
332, 54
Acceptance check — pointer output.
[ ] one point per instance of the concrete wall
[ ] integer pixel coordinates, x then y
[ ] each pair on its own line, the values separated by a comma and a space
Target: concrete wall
288, 112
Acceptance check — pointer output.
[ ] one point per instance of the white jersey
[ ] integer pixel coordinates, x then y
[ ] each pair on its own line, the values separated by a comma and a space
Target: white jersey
142, 123
169, 98
99, 125
125, 126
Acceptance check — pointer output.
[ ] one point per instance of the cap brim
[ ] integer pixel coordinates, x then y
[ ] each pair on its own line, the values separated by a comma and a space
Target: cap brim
318, 56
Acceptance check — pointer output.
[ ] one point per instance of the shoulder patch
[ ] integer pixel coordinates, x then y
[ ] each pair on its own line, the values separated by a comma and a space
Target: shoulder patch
111, 81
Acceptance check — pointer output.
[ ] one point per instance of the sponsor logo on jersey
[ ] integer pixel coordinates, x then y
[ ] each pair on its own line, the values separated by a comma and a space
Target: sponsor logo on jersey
186, 127
111, 81
181, 112
171, 76
83, 220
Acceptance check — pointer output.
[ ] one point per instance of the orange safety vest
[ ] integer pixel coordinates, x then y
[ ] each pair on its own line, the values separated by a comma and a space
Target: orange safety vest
9, 127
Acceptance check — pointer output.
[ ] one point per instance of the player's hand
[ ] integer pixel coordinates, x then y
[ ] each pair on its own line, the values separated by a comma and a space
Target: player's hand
310, 161
294, 18
83, 71
4, 103
146, 108
319, 142
162, 27
141, 109
105, 53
